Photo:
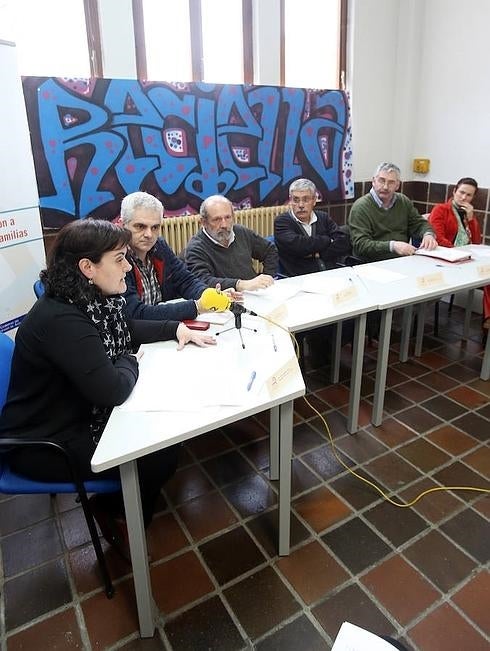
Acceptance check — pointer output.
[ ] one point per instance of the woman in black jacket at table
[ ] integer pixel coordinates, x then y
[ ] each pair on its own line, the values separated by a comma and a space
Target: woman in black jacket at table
73, 362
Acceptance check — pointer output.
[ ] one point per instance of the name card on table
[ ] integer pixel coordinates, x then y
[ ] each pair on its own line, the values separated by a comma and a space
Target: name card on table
279, 378
483, 270
345, 295
430, 280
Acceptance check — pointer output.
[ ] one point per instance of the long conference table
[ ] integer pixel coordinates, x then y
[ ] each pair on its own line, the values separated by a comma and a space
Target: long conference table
216, 386
183, 394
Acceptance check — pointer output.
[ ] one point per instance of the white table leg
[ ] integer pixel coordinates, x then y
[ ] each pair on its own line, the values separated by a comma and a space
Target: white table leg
356, 374
468, 312
382, 365
406, 331
419, 337
137, 546
274, 443
485, 365
336, 351
285, 455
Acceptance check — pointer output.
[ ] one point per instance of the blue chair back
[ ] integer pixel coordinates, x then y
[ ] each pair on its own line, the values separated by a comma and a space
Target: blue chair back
6, 353
38, 288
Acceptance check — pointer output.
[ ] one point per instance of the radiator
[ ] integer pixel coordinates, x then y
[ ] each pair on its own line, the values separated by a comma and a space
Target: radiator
177, 231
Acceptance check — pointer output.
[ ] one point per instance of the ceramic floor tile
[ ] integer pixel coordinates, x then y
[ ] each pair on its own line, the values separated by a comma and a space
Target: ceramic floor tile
446, 629
247, 599
418, 419
208, 445
179, 582
457, 474
411, 368
471, 532
225, 566
443, 407
335, 395
434, 506
258, 453
312, 571
361, 447
460, 373
165, 537
415, 391
424, 455
187, 484
473, 600
74, 528
35, 593
302, 479
298, 634
195, 515
479, 460
306, 438
265, 529
392, 471
85, 571
206, 626
396, 524
384, 583
473, 424
433, 360
245, 431
355, 492
320, 508
362, 611
39, 543
111, 620
394, 401
468, 397
250, 496
147, 644
227, 468
452, 440
438, 381
21, 511
305, 410
59, 632
356, 545
391, 432
439, 560
324, 462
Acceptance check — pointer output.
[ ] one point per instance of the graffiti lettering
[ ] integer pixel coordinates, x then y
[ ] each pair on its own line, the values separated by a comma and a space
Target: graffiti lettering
94, 141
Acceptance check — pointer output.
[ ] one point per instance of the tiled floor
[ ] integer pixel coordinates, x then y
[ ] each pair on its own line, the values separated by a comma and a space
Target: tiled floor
419, 574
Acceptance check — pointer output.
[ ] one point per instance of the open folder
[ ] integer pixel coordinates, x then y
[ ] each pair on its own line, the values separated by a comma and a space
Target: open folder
445, 253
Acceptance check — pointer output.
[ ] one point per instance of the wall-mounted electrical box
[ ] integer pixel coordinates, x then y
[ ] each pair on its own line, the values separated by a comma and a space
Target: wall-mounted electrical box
421, 165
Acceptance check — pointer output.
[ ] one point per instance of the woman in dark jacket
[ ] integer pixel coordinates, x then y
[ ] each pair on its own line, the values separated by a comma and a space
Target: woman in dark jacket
73, 362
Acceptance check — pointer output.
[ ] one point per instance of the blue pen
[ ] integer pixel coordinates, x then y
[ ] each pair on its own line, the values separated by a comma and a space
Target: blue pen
251, 381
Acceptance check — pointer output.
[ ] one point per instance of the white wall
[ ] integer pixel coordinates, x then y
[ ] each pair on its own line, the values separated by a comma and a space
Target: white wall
420, 87
453, 127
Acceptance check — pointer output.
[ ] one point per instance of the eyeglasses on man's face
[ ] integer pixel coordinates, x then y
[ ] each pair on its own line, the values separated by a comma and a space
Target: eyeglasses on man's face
389, 183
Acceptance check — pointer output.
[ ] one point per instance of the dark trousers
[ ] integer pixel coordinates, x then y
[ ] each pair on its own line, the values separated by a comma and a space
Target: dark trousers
43, 464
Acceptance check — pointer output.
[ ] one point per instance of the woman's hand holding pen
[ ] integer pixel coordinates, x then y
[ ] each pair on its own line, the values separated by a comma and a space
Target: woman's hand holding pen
185, 336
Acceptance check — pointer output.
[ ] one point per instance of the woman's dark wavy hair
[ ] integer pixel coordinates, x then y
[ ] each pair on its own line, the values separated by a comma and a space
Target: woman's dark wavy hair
87, 238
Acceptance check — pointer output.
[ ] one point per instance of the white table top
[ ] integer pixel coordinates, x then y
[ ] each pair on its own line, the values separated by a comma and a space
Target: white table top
396, 282
312, 300
137, 428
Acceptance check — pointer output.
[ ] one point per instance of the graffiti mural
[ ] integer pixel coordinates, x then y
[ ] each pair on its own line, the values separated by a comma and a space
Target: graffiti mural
96, 140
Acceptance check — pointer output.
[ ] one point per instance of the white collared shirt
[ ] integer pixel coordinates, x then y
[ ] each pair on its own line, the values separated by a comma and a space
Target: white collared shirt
308, 226
230, 241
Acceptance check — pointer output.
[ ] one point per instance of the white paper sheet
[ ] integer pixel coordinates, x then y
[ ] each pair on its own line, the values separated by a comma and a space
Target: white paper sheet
167, 381
354, 638
378, 274
324, 284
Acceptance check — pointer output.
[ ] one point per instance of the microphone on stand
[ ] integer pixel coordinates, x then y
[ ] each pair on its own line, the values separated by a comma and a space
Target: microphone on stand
213, 301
